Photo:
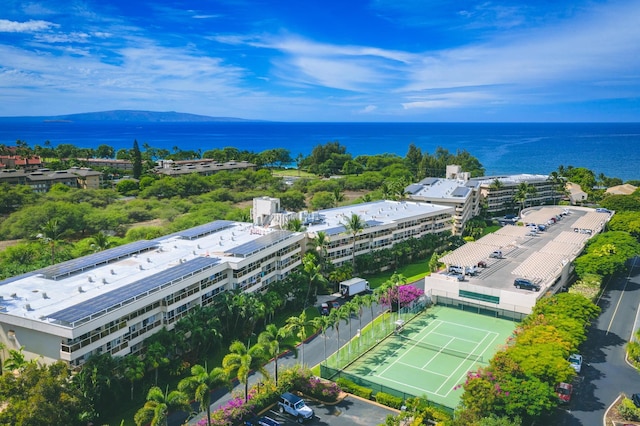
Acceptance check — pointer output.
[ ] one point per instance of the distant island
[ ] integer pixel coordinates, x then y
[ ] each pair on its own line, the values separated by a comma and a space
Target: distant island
127, 116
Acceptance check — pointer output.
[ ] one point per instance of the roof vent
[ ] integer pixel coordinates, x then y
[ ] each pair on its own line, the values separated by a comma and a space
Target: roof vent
14, 295
90, 279
44, 296
148, 260
104, 281
141, 268
112, 273
80, 289
27, 307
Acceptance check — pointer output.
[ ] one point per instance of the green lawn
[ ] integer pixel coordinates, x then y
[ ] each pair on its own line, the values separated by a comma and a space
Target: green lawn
412, 273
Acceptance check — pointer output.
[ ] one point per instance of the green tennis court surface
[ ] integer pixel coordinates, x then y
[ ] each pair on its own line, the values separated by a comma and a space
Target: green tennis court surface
433, 352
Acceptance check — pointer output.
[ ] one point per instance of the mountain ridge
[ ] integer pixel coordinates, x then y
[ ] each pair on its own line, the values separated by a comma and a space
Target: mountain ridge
121, 115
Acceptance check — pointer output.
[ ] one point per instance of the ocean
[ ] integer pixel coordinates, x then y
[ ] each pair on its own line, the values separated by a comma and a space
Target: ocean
503, 148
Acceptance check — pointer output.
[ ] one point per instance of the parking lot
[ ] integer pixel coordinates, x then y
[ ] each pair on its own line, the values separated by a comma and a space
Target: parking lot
351, 411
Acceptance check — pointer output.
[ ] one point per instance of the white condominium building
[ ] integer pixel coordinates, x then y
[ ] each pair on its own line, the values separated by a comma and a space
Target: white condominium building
111, 301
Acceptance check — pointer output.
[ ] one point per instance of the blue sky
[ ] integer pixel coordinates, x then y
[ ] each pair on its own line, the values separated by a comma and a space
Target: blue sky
348, 60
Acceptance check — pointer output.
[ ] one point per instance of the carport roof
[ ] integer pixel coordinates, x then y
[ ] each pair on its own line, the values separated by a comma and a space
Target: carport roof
592, 220
467, 255
541, 266
572, 238
540, 217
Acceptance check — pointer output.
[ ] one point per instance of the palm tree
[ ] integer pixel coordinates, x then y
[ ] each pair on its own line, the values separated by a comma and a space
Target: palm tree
156, 357
16, 360
320, 243
51, 233
132, 368
321, 323
354, 225
271, 339
200, 384
101, 241
241, 360
298, 327
313, 273
155, 411
335, 317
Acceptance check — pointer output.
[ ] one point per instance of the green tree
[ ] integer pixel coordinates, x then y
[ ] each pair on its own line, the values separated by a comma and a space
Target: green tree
132, 369
137, 160
271, 339
156, 410
242, 359
297, 325
354, 225
51, 233
321, 323
201, 383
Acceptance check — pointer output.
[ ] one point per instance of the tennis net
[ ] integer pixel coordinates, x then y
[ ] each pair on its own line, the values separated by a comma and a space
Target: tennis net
432, 347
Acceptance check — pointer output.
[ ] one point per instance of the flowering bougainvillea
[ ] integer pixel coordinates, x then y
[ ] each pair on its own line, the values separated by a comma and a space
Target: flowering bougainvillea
407, 293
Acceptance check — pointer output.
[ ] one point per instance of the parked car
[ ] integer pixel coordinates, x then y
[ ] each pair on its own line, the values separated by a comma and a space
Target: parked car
496, 255
467, 270
576, 362
482, 264
636, 399
602, 210
525, 284
324, 309
564, 391
295, 406
455, 275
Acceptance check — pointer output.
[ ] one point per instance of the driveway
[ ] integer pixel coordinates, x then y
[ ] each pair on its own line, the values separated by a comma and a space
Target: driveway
606, 374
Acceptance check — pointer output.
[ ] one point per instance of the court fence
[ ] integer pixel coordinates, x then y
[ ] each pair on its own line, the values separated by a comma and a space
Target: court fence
333, 374
476, 308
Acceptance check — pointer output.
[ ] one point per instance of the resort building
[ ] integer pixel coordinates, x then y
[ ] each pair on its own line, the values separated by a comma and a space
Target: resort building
111, 301
18, 162
201, 167
42, 180
499, 191
455, 191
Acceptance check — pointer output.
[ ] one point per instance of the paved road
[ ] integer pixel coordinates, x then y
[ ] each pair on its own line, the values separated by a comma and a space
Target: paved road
314, 350
606, 373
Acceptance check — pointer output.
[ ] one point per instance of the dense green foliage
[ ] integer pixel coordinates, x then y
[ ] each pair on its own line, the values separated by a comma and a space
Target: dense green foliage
520, 380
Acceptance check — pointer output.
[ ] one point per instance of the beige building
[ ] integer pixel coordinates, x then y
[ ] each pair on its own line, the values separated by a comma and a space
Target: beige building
499, 191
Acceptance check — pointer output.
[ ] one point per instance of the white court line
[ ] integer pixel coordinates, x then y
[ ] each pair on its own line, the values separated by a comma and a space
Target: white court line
462, 363
422, 370
458, 338
400, 357
438, 352
496, 335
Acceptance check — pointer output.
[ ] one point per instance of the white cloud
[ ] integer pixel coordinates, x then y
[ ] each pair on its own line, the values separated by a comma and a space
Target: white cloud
368, 109
30, 26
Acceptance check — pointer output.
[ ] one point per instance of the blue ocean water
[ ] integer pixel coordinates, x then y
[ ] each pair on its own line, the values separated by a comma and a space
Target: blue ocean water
609, 148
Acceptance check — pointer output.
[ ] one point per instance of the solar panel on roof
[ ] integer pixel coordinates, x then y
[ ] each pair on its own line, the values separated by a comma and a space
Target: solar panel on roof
413, 188
206, 229
260, 243
105, 256
112, 298
460, 191
335, 230
429, 181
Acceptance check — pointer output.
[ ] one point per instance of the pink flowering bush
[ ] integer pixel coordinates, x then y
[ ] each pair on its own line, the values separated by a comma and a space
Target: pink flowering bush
407, 293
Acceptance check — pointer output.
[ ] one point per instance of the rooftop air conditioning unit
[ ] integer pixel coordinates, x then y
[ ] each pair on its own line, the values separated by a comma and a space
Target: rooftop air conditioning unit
80, 290
44, 296
104, 281
27, 307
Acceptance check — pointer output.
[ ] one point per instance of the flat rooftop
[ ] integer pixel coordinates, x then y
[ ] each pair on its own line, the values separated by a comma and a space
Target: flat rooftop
375, 213
67, 292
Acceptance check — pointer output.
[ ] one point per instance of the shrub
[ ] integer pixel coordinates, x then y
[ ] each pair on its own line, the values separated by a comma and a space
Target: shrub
349, 386
628, 410
389, 400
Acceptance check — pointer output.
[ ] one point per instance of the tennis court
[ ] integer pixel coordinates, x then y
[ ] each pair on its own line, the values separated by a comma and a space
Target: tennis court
433, 352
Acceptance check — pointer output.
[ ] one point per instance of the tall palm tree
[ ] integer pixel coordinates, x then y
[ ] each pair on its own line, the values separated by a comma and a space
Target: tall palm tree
241, 360
156, 410
132, 369
368, 300
523, 192
320, 243
200, 384
156, 357
312, 270
51, 233
298, 327
271, 339
322, 323
354, 225
335, 317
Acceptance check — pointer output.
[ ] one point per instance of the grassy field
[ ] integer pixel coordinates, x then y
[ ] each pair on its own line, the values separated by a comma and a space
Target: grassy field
413, 272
